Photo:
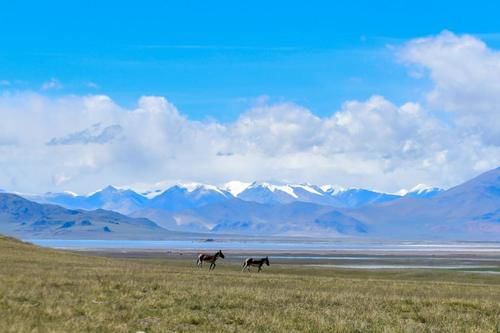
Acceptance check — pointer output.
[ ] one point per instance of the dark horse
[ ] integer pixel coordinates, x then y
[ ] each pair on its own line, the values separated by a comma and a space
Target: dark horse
209, 258
255, 262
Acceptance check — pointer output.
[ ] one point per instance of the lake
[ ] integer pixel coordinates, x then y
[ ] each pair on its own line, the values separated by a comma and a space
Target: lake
281, 246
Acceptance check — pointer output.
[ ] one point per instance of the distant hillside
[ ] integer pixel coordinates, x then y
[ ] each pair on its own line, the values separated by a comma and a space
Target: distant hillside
26, 219
109, 198
467, 211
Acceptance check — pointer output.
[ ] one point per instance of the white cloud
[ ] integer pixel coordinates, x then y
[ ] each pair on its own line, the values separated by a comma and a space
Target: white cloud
466, 78
51, 84
375, 143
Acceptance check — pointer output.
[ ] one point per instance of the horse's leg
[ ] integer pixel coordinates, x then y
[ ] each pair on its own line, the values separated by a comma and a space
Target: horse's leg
244, 266
260, 268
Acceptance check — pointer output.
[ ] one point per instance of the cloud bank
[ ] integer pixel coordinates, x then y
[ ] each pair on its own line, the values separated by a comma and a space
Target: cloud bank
86, 142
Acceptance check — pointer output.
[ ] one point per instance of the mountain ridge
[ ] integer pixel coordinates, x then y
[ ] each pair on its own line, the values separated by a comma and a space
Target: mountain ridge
22, 217
184, 196
467, 211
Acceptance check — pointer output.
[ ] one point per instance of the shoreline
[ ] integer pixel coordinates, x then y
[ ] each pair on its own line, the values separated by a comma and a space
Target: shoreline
463, 262
287, 247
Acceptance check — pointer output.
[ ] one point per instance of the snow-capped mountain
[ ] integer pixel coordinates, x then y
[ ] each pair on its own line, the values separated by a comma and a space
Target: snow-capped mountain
194, 195
120, 200
187, 196
235, 187
313, 194
263, 192
357, 197
268, 193
422, 191
126, 200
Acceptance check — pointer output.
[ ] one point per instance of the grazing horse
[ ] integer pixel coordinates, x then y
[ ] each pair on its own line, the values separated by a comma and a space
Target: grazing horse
255, 262
209, 258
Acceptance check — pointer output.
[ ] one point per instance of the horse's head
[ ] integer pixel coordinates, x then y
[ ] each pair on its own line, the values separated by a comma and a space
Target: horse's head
266, 260
220, 254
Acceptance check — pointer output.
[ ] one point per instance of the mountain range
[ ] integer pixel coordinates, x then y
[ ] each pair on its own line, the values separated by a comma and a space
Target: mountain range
193, 195
470, 211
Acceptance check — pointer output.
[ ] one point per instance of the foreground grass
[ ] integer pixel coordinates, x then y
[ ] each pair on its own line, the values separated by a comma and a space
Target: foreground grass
51, 291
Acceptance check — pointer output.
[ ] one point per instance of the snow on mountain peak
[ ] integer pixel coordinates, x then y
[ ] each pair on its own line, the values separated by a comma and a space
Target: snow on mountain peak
421, 188
235, 187
190, 187
417, 189
272, 187
70, 193
309, 188
333, 189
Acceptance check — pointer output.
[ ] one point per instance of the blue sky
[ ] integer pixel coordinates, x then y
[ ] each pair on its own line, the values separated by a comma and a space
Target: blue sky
375, 94
214, 60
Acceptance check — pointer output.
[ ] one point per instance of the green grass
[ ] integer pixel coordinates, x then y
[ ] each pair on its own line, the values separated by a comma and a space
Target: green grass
45, 290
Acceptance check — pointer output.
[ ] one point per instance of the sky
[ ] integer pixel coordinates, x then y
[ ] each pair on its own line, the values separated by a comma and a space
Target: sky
381, 95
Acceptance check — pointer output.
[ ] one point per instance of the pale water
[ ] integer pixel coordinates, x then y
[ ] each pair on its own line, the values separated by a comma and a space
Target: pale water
282, 246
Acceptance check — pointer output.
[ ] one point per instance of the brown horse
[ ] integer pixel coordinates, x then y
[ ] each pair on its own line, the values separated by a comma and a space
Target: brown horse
255, 262
209, 258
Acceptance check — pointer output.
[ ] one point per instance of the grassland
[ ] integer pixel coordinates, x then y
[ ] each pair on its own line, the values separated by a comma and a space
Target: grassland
45, 290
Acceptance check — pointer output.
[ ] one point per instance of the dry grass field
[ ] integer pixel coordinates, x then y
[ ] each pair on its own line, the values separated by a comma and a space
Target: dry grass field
45, 290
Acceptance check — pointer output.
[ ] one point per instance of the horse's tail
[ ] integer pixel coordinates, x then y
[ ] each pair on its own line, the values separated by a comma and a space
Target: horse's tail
245, 265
